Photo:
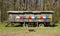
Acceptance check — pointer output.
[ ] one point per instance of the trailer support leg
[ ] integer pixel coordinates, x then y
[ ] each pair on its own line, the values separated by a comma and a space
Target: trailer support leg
24, 24
37, 24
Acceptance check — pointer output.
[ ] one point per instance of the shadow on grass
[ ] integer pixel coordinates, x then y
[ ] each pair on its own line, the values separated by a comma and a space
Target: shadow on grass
21, 25
36, 26
51, 25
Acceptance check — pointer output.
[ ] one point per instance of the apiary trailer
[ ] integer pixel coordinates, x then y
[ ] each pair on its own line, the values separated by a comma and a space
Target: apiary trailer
25, 18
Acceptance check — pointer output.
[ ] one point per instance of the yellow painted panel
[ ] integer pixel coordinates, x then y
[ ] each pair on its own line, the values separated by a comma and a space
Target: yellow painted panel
27, 17
50, 17
38, 16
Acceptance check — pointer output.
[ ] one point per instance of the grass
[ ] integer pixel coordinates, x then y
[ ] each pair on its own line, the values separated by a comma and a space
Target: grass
3, 28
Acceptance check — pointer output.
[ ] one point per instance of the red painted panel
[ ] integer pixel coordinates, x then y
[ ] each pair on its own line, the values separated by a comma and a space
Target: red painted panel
30, 17
21, 17
41, 17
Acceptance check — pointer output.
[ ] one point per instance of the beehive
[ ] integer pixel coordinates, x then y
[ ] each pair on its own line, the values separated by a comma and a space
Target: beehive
30, 16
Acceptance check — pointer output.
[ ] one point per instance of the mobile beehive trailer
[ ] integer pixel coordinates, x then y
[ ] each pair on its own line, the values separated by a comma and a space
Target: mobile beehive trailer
38, 18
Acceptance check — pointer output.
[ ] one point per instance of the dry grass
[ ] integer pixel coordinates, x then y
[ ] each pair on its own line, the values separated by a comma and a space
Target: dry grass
23, 31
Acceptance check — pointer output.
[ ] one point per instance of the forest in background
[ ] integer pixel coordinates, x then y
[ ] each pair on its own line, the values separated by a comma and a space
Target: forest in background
29, 5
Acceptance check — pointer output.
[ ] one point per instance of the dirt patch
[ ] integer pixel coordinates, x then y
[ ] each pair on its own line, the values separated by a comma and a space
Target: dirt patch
21, 33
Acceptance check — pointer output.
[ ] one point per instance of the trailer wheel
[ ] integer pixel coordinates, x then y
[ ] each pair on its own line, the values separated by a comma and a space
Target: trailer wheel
41, 25
26, 25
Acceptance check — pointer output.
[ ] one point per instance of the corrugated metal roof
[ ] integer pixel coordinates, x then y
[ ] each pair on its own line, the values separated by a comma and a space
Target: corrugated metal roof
27, 11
